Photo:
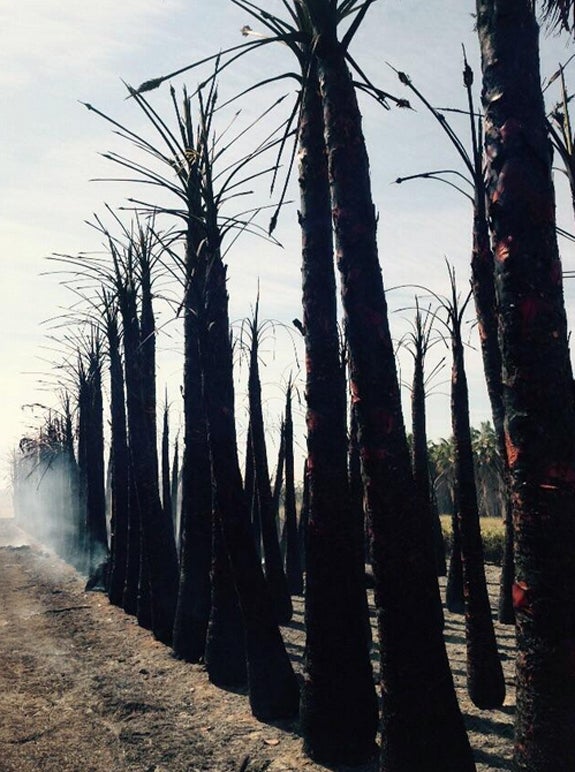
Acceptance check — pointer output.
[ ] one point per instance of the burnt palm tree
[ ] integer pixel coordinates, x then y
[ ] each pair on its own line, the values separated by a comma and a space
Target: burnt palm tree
91, 453
485, 682
274, 571
119, 456
538, 400
428, 731
418, 342
293, 564
482, 283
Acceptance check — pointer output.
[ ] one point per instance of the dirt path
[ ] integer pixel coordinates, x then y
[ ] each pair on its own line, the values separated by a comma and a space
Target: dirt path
83, 688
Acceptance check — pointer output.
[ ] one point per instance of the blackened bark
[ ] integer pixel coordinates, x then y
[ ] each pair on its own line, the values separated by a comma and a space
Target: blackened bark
292, 554
166, 481
175, 494
422, 725
482, 283
304, 517
91, 462
485, 682
225, 652
131, 341
273, 689
194, 597
119, 472
356, 484
274, 571
338, 712
420, 460
537, 378
158, 543
251, 494
454, 587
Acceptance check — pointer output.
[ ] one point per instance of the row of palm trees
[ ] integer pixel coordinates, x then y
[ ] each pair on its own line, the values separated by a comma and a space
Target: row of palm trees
518, 296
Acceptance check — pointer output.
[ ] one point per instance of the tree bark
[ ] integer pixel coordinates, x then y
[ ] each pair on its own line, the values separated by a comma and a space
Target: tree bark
537, 382
338, 705
273, 689
485, 682
422, 725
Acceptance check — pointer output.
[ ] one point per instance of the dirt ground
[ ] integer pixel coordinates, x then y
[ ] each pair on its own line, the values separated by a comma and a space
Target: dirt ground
83, 688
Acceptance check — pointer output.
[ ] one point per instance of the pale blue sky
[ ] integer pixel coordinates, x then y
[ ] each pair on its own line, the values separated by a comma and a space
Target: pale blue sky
56, 53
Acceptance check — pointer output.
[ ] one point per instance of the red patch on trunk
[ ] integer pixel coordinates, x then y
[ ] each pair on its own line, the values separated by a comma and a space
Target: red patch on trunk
512, 451
521, 602
503, 248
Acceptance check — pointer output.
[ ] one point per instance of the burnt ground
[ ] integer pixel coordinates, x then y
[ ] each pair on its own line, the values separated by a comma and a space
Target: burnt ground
82, 687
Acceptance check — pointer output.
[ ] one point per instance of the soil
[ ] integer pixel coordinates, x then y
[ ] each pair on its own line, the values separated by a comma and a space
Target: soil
83, 688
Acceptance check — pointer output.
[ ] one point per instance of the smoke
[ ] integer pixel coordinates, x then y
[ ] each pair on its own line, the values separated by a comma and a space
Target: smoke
49, 500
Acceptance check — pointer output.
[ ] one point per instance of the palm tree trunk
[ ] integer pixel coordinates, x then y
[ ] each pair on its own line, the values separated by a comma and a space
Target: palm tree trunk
294, 572
275, 574
422, 725
485, 682
420, 460
273, 689
225, 652
538, 393
120, 465
194, 596
338, 706
482, 283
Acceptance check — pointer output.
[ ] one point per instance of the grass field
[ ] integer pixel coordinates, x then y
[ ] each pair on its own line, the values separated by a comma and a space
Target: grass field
492, 533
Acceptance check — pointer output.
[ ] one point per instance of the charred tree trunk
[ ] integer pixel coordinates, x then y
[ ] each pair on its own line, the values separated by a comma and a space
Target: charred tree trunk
251, 494
194, 597
91, 462
485, 682
454, 599
422, 725
482, 283
120, 467
273, 565
225, 653
339, 710
420, 459
292, 554
273, 689
166, 481
160, 559
537, 378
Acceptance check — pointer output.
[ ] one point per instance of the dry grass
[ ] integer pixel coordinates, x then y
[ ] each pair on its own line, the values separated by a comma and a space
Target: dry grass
492, 533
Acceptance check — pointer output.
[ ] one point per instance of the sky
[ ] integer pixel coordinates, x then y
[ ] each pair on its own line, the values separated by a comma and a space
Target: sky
57, 54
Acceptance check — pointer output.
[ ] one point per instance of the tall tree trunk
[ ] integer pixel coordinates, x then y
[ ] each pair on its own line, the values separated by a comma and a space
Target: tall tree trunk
251, 494
275, 574
131, 341
454, 599
166, 481
420, 461
225, 653
160, 560
482, 283
194, 597
422, 725
273, 689
294, 572
120, 468
537, 378
339, 711
485, 682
